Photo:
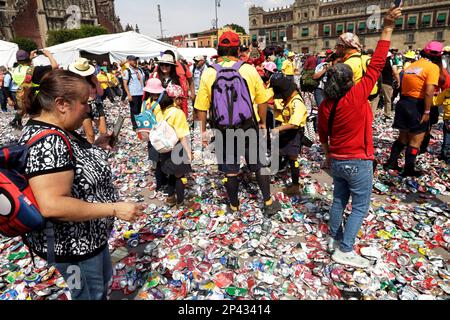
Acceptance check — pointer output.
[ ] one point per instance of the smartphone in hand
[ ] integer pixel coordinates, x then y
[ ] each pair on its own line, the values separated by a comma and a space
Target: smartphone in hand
116, 131
398, 3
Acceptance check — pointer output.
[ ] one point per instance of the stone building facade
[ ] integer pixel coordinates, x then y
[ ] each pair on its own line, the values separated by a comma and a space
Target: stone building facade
314, 25
34, 18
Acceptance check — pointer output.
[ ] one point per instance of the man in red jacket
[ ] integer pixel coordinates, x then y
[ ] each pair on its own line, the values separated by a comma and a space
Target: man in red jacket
345, 129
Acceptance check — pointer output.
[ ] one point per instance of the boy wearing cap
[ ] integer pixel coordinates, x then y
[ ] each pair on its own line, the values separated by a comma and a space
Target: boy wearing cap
198, 68
133, 83
229, 52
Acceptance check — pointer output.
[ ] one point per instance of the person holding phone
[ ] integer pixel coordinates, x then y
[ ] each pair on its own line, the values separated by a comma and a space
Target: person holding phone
346, 134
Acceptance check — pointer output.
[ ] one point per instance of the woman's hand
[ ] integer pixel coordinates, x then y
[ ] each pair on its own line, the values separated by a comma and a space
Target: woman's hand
425, 118
129, 212
104, 141
390, 17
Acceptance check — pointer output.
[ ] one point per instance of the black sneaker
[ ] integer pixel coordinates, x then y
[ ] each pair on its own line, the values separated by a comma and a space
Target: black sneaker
411, 173
390, 166
272, 210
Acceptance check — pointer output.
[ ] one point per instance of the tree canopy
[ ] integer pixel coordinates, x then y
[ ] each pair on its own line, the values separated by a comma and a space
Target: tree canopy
65, 35
237, 28
25, 44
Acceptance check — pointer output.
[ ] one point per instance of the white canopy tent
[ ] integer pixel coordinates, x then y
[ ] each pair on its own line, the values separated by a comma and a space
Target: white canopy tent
8, 52
190, 53
118, 46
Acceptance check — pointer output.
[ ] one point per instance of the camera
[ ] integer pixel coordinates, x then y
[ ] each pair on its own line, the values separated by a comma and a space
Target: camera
40, 52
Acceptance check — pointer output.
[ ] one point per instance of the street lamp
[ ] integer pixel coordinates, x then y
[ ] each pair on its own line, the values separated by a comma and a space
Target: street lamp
216, 6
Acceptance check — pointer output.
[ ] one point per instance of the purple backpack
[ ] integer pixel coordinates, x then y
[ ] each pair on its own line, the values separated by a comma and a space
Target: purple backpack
232, 106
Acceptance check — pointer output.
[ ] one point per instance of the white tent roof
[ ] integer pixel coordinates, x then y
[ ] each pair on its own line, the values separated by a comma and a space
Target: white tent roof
8, 52
118, 46
190, 53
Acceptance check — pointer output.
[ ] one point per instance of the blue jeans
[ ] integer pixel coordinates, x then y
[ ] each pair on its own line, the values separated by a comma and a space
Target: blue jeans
318, 96
89, 279
351, 178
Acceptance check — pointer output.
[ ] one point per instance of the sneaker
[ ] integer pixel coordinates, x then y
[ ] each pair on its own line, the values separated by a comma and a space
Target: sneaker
292, 190
333, 245
411, 173
389, 166
272, 210
171, 201
350, 259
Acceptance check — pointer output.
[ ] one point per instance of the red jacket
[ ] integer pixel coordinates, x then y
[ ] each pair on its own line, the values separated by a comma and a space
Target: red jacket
352, 136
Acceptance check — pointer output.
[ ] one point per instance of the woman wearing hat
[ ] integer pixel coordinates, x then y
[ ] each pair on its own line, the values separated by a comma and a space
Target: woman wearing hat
412, 115
97, 112
167, 73
290, 116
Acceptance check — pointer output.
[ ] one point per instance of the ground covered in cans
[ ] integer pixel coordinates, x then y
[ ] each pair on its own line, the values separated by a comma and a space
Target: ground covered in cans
203, 252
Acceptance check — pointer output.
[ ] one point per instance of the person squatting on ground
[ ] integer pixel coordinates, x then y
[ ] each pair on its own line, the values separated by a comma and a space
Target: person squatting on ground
97, 112
412, 114
243, 116
290, 117
345, 129
73, 184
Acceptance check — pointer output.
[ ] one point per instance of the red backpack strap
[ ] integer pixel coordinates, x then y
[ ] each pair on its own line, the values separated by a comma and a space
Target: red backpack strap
50, 132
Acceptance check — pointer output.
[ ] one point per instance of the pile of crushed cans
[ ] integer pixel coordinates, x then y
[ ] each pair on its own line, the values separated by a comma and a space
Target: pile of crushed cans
205, 253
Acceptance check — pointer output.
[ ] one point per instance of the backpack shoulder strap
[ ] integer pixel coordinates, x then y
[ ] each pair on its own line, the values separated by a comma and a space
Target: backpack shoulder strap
332, 116
237, 65
217, 67
47, 133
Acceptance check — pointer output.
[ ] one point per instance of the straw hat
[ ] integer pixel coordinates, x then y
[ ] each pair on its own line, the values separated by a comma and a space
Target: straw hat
82, 67
167, 59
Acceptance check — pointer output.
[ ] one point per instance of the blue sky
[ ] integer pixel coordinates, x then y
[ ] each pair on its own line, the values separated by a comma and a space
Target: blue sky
186, 16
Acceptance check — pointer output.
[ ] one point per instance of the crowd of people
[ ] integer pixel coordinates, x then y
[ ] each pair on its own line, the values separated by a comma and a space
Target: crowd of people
243, 89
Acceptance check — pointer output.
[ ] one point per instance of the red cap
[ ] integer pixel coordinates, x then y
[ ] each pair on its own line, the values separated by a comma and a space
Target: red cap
329, 51
232, 37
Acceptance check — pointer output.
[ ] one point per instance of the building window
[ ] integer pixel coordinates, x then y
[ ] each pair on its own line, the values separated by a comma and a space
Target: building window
254, 37
362, 27
412, 21
339, 29
254, 22
399, 23
274, 36
326, 43
426, 20
439, 35
282, 35
326, 30
441, 19
305, 32
350, 27
410, 37
306, 14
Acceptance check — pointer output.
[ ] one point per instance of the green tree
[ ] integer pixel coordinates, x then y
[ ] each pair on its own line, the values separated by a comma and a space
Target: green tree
25, 44
237, 28
65, 35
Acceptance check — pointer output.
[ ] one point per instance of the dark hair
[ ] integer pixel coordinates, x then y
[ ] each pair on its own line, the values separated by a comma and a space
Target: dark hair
173, 75
57, 83
435, 59
166, 101
228, 51
339, 81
